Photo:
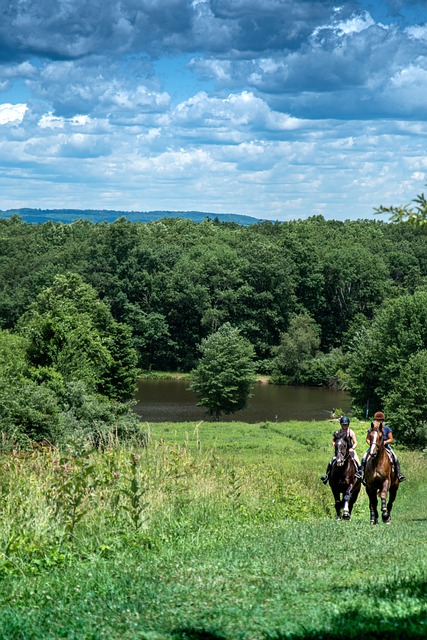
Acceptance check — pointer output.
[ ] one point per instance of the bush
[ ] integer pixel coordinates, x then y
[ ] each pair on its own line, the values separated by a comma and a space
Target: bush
93, 418
325, 370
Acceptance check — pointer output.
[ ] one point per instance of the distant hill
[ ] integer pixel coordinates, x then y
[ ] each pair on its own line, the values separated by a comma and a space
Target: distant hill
95, 215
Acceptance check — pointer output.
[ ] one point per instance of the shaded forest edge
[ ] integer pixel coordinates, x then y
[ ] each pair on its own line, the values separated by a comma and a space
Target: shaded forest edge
87, 306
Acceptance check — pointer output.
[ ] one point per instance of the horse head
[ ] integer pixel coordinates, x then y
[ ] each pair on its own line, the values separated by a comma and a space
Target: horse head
341, 447
376, 440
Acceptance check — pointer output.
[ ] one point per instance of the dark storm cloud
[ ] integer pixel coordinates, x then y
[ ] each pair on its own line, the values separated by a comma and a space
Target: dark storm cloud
275, 24
59, 29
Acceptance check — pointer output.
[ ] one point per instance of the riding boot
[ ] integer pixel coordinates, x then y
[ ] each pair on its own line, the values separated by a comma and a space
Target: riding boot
325, 478
360, 473
401, 477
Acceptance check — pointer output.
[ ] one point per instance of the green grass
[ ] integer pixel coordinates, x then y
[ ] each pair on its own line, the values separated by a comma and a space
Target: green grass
215, 531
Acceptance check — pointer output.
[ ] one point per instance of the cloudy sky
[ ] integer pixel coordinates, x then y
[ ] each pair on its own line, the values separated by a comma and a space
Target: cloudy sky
278, 109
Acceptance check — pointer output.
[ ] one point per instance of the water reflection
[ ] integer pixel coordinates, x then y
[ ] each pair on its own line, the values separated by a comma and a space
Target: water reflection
172, 401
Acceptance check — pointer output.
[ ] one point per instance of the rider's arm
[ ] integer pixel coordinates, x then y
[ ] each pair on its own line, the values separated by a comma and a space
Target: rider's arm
353, 437
390, 438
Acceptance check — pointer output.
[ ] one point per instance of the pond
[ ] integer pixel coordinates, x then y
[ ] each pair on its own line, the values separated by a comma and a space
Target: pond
170, 400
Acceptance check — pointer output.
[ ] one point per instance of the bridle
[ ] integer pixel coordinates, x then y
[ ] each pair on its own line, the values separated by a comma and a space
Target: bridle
340, 458
376, 438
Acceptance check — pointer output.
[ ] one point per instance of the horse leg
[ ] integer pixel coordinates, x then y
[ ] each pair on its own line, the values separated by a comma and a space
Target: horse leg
346, 501
391, 499
354, 495
373, 504
384, 510
338, 504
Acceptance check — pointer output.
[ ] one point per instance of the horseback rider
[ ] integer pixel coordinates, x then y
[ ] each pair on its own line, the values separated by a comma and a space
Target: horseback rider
379, 418
351, 436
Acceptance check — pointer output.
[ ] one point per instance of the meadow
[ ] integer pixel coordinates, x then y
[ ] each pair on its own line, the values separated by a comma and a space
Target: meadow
215, 531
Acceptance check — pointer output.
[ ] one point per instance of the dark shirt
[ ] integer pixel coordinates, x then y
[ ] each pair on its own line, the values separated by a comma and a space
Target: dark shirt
386, 431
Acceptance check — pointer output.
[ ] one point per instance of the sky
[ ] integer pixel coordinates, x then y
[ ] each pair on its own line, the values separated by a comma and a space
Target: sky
277, 109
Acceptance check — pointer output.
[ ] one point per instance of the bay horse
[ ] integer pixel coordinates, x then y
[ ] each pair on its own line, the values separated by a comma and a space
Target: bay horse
380, 476
342, 481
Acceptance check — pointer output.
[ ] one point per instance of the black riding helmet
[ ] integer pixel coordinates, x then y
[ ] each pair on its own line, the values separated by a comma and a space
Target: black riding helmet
345, 420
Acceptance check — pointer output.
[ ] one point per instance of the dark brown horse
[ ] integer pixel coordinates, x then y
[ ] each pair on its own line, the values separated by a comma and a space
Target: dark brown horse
380, 476
344, 485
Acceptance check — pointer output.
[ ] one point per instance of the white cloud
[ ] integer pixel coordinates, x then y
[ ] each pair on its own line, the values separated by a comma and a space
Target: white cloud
12, 113
49, 121
418, 32
355, 24
242, 111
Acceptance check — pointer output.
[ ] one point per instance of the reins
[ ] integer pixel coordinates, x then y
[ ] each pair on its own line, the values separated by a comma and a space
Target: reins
347, 454
377, 443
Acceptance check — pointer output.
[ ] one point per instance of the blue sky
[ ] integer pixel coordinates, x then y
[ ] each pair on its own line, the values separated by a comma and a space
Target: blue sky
276, 109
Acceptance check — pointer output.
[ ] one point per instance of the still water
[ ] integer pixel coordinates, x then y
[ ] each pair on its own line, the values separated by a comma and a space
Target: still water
172, 401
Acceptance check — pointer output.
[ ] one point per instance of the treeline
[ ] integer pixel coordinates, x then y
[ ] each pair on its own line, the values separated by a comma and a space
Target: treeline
301, 292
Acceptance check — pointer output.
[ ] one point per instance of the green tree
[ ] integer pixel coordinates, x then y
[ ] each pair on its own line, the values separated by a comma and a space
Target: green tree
71, 331
119, 380
326, 370
406, 402
28, 410
297, 348
415, 214
224, 376
383, 353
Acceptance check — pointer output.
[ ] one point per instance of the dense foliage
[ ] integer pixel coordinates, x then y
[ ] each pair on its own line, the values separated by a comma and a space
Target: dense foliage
388, 366
166, 285
225, 373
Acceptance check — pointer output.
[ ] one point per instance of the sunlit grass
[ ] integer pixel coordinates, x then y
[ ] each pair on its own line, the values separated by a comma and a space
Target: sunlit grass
214, 530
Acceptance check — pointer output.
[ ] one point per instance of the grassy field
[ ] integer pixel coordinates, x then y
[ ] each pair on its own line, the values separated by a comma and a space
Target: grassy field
210, 531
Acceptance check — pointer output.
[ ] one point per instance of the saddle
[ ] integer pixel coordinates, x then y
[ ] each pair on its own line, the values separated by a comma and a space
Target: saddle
391, 458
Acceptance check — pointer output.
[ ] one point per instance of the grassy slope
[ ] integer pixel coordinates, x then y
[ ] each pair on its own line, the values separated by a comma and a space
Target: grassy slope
264, 559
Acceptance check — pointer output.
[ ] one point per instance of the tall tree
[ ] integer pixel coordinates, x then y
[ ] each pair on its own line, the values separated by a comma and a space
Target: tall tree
224, 376
386, 351
73, 332
406, 402
298, 345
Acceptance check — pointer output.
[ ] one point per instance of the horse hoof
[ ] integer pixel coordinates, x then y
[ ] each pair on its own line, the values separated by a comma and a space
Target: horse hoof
338, 518
373, 522
347, 516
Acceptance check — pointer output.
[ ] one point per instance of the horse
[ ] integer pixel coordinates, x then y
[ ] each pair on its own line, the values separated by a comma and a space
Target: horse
345, 487
380, 476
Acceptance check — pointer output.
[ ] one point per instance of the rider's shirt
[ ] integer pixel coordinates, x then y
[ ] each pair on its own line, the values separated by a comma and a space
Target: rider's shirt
350, 434
386, 432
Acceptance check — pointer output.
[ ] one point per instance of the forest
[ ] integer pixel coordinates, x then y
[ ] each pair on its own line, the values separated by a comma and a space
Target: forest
86, 306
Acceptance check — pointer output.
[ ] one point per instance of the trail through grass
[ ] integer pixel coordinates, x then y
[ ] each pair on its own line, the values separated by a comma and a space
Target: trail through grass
214, 531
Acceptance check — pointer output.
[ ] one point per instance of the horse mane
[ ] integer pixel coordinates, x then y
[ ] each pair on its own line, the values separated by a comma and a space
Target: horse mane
340, 434
379, 429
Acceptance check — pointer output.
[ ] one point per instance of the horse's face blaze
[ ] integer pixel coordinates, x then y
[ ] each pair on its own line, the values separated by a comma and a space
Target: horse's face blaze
340, 451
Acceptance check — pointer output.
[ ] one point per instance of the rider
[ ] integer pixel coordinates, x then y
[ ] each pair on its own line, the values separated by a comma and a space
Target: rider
379, 418
345, 426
